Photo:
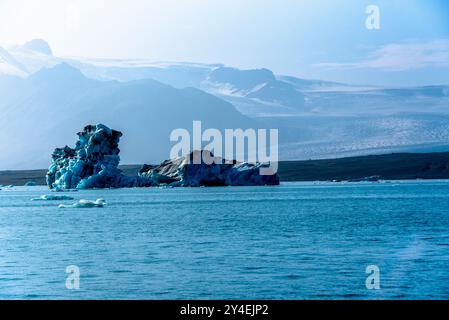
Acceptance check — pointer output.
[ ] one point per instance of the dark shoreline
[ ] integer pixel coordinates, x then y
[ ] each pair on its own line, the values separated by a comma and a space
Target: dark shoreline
396, 166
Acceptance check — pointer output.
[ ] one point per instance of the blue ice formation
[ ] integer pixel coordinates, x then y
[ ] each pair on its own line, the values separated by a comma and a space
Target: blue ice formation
93, 163
192, 171
99, 203
51, 197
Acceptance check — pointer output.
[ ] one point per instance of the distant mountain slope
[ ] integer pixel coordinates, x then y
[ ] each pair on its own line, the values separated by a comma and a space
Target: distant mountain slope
253, 92
45, 111
254, 86
259, 92
39, 45
315, 118
10, 66
242, 81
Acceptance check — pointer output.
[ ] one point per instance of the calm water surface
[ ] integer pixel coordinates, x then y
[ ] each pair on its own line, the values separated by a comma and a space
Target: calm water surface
295, 241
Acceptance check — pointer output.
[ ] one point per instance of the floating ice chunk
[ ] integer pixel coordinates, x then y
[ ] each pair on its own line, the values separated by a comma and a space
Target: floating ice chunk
31, 184
51, 198
99, 203
93, 163
193, 171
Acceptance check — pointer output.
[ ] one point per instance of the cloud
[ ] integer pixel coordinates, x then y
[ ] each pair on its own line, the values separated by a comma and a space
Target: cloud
400, 57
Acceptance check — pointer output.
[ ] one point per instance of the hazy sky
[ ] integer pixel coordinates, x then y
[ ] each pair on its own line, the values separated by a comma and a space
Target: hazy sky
324, 39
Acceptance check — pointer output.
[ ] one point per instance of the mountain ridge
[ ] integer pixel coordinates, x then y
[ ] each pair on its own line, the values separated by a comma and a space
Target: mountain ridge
315, 118
63, 100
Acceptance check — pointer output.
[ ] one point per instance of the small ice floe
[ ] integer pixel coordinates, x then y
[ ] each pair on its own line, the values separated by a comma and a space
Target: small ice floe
166, 187
366, 179
57, 189
30, 184
99, 203
50, 197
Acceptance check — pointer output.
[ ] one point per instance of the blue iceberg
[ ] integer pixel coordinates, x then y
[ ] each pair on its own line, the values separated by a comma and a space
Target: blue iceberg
192, 171
93, 163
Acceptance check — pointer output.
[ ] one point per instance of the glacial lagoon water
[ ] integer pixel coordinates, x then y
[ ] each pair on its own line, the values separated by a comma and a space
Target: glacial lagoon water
294, 241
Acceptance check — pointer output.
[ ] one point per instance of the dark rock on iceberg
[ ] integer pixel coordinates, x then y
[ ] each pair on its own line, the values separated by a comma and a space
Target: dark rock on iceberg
93, 163
193, 171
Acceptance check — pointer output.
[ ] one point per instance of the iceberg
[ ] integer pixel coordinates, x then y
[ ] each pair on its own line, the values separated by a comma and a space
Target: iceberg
193, 171
99, 203
51, 198
93, 163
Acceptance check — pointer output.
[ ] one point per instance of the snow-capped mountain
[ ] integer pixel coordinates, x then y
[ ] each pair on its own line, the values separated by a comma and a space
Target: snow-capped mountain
10, 66
257, 92
56, 96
